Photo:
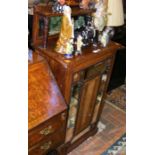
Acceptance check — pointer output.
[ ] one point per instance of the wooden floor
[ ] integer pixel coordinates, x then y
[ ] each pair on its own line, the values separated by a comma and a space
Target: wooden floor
115, 126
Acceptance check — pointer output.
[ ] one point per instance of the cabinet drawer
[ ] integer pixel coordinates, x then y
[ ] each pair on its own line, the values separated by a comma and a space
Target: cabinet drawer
95, 70
49, 127
51, 142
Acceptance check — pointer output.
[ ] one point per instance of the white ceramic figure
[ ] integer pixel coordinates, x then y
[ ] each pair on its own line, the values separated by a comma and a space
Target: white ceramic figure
79, 44
69, 48
104, 39
99, 15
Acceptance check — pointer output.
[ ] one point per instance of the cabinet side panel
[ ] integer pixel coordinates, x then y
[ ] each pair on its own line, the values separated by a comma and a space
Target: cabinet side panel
59, 73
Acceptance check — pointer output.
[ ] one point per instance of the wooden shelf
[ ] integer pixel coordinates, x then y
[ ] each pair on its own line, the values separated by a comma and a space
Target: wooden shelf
47, 11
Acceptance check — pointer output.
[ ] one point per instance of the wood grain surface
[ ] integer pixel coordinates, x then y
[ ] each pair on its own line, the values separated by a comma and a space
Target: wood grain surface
45, 99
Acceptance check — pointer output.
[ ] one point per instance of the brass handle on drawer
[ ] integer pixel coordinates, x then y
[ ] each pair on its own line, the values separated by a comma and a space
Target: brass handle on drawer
46, 131
46, 146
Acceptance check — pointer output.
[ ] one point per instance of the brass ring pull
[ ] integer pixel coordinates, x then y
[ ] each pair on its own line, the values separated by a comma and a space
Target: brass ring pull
46, 131
46, 146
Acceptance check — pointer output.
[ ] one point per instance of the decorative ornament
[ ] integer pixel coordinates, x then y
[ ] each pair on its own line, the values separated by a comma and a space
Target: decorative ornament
104, 39
106, 35
85, 4
79, 45
99, 17
87, 31
66, 32
62, 2
57, 6
69, 49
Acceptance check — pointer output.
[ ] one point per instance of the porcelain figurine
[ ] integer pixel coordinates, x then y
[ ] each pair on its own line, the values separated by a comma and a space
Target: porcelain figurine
106, 35
66, 31
104, 39
62, 2
57, 6
69, 49
99, 17
87, 32
85, 4
79, 44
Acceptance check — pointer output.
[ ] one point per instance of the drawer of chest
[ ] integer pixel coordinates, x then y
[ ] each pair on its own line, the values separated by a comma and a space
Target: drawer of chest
49, 127
51, 142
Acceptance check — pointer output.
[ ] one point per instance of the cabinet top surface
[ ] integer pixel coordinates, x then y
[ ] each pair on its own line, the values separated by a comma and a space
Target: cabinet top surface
44, 97
87, 55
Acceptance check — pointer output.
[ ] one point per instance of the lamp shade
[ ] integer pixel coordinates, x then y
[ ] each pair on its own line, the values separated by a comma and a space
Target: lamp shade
115, 13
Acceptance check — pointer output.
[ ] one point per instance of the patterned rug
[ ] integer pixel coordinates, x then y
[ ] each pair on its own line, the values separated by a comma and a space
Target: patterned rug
117, 98
118, 148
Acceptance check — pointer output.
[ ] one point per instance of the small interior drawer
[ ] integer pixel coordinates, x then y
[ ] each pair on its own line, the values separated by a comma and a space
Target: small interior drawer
50, 142
95, 70
47, 128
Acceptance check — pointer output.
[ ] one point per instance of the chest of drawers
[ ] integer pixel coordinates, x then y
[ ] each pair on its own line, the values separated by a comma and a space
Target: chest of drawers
47, 110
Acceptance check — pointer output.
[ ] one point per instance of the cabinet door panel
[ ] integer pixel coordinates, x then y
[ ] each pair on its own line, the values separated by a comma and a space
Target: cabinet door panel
87, 103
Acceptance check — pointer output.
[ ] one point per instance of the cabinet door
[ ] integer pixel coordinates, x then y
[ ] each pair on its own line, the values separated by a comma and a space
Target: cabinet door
87, 104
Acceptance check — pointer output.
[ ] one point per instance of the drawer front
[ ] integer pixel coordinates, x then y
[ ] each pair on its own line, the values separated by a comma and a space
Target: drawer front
49, 127
95, 70
51, 142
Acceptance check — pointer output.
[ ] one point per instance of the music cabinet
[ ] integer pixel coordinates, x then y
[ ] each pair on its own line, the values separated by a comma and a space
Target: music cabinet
83, 81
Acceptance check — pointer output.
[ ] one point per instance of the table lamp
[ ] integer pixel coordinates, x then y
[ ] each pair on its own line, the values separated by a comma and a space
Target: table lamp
116, 14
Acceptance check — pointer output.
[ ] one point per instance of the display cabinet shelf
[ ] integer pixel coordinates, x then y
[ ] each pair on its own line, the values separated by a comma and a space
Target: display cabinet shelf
45, 12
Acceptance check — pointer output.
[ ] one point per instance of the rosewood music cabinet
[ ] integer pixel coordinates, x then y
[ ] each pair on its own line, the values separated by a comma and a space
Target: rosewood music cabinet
83, 81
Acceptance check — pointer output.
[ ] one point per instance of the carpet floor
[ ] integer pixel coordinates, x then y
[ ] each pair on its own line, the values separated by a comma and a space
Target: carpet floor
111, 138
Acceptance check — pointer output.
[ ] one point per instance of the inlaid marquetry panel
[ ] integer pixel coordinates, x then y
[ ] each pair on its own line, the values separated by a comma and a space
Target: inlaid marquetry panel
87, 102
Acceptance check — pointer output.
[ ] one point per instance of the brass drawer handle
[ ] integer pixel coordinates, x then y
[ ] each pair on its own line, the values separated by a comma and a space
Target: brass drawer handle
47, 130
46, 146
